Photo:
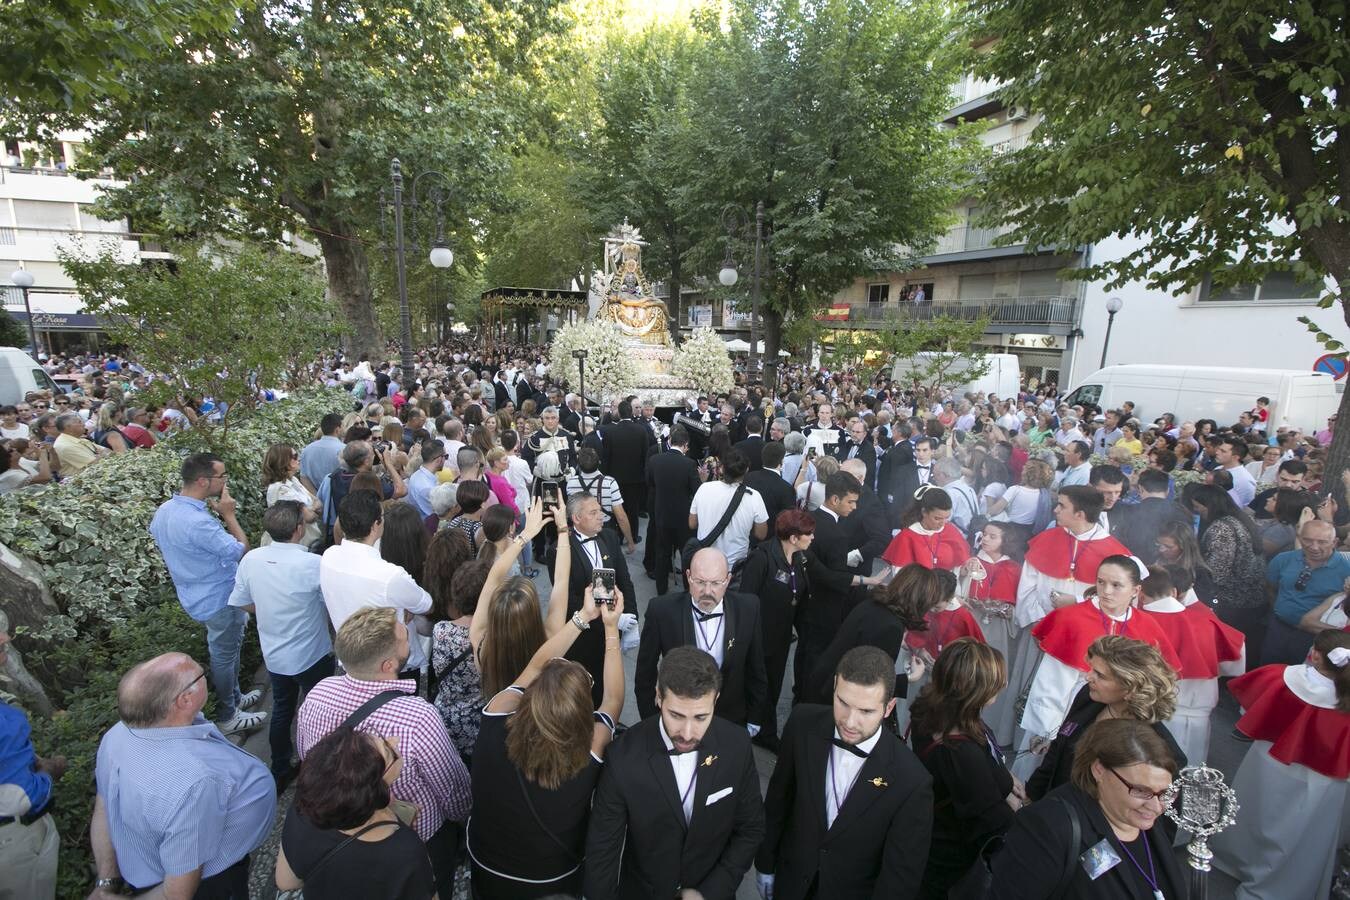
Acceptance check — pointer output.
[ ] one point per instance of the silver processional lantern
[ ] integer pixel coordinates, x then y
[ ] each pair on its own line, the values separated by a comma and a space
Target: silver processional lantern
1200, 802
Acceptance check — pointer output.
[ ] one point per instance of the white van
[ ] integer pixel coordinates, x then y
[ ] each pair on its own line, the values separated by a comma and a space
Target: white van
1003, 380
19, 374
1300, 399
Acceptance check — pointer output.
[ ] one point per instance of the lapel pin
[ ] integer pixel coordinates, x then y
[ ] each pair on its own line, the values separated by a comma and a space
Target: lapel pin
879, 782
731, 642
709, 761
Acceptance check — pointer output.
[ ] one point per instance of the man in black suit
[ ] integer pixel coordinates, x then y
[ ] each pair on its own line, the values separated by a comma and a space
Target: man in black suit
907, 477
753, 443
677, 813
857, 444
773, 490
849, 810
831, 593
866, 528
624, 458
1110, 482
593, 547
672, 481
723, 623
1150, 515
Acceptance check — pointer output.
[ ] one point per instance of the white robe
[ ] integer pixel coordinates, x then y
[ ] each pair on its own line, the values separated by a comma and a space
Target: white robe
1007, 638
1290, 821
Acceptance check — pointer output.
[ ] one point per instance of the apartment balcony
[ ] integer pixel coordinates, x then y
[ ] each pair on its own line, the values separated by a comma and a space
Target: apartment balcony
40, 244
966, 242
1050, 315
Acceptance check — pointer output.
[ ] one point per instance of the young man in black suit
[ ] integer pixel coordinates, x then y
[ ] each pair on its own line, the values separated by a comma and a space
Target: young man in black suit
907, 478
677, 813
724, 624
773, 490
849, 810
752, 445
831, 594
593, 546
624, 458
672, 481
866, 528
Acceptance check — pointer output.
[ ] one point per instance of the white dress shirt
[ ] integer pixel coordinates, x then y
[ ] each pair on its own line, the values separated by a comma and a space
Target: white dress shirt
710, 635
352, 576
841, 771
685, 766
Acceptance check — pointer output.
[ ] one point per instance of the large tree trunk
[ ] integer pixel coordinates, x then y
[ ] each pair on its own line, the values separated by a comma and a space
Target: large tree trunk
344, 257
773, 338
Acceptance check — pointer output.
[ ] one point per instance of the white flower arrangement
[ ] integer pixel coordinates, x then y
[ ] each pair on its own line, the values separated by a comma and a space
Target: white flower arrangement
702, 360
610, 369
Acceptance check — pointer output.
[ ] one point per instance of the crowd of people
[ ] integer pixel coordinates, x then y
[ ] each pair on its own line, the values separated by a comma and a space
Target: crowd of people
1004, 625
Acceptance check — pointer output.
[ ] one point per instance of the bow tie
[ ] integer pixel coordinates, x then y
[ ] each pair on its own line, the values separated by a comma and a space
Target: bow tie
588, 540
674, 752
703, 617
917, 466
851, 748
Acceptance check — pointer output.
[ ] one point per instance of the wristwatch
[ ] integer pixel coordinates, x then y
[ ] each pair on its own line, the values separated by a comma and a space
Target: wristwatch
581, 623
114, 884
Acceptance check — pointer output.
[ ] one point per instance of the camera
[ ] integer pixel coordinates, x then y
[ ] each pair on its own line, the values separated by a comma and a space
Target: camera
383, 447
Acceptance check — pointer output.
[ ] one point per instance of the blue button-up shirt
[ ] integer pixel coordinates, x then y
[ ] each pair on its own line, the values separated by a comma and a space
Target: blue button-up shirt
181, 798
200, 554
319, 459
420, 485
23, 789
1293, 602
282, 582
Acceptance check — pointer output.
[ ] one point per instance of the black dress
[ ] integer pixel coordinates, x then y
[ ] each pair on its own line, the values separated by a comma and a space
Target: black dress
513, 857
1057, 766
870, 624
395, 868
970, 789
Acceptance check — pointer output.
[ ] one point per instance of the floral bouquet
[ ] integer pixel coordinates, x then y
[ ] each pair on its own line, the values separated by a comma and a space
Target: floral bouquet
610, 369
703, 361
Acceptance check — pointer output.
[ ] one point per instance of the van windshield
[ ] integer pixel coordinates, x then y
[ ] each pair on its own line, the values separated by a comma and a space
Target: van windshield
1085, 395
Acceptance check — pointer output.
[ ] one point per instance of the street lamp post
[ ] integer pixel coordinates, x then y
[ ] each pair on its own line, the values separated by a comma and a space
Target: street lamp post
734, 220
580, 355
1113, 306
23, 280
440, 256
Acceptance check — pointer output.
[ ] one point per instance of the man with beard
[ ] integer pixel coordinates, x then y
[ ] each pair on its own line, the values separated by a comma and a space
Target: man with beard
849, 810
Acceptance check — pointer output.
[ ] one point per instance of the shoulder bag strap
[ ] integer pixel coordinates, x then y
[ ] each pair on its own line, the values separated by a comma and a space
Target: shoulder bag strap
726, 517
1075, 842
524, 790
374, 703
337, 849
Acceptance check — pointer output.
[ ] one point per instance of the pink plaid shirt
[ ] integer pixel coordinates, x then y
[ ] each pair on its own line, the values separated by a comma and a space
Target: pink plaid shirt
433, 775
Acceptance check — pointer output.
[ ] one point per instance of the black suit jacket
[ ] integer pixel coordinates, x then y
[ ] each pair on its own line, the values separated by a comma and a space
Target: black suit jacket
639, 847
830, 596
869, 625
500, 395
672, 481
878, 844
775, 492
900, 454
1141, 526
625, 451
753, 447
867, 530
670, 624
589, 647
867, 452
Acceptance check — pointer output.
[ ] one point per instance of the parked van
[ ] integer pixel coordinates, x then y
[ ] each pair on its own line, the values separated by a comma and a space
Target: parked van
1300, 399
19, 374
1003, 380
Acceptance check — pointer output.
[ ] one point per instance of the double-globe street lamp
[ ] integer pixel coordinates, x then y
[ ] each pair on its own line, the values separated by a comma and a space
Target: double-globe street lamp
23, 280
440, 256
737, 224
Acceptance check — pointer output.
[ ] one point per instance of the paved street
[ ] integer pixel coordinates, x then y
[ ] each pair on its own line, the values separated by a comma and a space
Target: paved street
1225, 751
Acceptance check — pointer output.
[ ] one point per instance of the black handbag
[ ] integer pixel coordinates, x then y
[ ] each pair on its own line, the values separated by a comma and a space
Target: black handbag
974, 885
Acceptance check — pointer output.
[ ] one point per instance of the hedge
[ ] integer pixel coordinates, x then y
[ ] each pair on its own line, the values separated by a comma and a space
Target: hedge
117, 604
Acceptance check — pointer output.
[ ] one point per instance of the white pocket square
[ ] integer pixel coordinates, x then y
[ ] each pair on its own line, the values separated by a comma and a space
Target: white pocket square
713, 798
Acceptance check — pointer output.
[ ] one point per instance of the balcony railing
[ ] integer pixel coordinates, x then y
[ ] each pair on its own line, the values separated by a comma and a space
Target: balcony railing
1044, 311
10, 235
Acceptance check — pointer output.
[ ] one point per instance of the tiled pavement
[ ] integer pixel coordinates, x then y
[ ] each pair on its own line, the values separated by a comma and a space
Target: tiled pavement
1226, 753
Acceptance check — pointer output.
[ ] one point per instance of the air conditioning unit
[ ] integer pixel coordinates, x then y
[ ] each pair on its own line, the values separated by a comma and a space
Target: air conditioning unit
1017, 114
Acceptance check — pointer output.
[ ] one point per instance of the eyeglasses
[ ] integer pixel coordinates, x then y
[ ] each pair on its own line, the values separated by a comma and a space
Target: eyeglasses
708, 583
394, 755
1141, 792
191, 684
1303, 578
39, 406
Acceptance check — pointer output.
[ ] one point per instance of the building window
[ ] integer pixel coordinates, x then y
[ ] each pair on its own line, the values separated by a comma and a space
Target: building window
877, 294
1275, 286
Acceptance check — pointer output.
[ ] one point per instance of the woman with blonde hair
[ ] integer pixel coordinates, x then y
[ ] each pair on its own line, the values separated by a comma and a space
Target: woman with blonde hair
1028, 504
281, 481
974, 794
1127, 679
541, 744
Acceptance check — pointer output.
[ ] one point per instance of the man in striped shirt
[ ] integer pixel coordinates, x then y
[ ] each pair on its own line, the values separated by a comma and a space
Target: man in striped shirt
372, 645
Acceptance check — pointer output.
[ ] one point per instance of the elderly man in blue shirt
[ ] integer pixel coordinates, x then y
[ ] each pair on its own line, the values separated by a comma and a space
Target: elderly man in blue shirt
279, 584
202, 556
179, 808
29, 841
1301, 580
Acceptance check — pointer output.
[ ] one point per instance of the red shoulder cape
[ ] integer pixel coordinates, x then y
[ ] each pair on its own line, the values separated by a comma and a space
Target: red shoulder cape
1002, 582
945, 626
1067, 632
1200, 640
911, 547
1052, 551
1299, 733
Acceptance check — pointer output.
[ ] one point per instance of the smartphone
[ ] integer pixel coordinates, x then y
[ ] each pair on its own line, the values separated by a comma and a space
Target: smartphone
811, 452
602, 585
549, 492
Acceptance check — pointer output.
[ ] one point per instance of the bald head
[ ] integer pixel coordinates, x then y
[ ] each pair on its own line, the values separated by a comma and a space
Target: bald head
164, 691
854, 467
1318, 539
708, 573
